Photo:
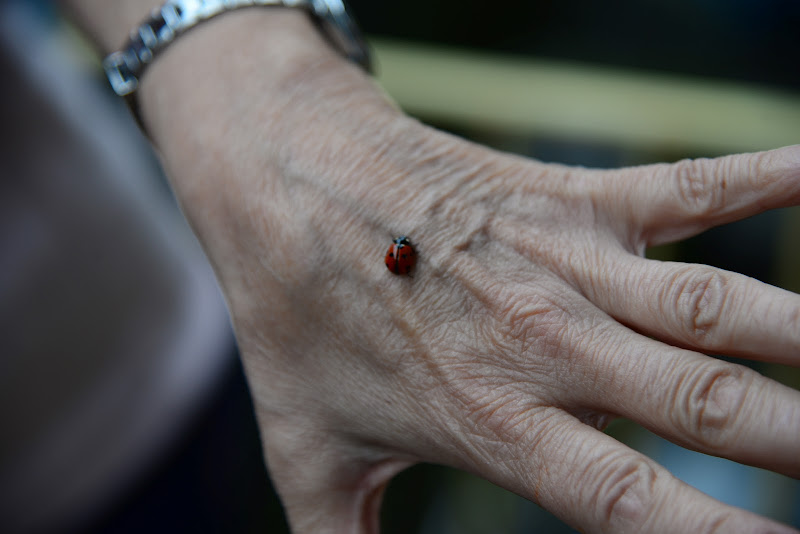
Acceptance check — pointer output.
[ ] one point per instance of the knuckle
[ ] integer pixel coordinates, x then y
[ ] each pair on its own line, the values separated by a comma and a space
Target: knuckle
530, 316
707, 401
759, 168
700, 190
626, 492
501, 413
697, 299
793, 320
497, 421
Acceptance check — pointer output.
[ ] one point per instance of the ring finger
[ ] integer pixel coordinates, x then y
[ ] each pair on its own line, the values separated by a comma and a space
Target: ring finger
693, 400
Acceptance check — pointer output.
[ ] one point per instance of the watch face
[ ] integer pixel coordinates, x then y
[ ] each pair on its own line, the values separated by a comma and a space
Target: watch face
341, 30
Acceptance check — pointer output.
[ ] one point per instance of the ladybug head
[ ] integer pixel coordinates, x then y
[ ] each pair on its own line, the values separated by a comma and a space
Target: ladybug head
402, 240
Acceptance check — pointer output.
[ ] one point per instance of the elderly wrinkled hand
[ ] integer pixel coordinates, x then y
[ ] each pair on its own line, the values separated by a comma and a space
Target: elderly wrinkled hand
530, 320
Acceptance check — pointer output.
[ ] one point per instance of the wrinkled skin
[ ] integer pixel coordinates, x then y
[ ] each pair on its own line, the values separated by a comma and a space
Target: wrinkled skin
531, 318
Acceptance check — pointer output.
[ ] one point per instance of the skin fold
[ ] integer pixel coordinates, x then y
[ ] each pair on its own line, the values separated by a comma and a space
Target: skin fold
531, 320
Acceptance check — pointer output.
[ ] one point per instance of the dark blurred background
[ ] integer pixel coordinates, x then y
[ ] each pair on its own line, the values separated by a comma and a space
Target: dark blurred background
122, 401
751, 40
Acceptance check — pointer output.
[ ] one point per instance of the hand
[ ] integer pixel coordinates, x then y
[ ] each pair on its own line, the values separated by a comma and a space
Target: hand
531, 318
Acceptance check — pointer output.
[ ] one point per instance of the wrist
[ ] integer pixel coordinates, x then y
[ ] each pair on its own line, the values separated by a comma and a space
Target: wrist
245, 57
273, 59
251, 87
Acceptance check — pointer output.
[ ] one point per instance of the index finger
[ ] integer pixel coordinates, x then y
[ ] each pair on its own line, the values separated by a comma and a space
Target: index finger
669, 202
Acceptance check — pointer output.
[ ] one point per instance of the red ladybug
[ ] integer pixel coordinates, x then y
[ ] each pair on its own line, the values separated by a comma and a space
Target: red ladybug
401, 256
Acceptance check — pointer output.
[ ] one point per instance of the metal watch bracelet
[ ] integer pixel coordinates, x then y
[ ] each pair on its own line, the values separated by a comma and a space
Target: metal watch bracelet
125, 67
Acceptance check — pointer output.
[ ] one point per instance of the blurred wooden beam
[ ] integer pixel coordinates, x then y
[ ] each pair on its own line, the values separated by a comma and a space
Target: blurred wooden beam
585, 102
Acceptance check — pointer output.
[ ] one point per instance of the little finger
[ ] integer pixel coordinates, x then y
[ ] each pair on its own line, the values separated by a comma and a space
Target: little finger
597, 484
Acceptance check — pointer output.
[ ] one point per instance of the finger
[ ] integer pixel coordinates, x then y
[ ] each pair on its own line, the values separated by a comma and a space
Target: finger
671, 202
597, 484
699, 402
699, 307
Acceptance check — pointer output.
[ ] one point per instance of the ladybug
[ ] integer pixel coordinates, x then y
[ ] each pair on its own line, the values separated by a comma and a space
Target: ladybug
401, 256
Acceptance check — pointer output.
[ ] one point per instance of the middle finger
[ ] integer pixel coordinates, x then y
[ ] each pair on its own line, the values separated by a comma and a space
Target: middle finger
699, 307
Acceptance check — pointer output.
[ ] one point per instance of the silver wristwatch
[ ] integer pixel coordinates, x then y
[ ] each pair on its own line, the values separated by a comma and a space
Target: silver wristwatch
125, 67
